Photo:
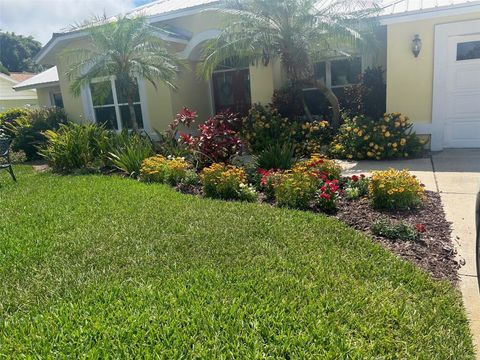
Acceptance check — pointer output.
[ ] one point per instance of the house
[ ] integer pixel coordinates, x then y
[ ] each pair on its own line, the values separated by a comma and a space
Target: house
437, 85
46, 85
10, 98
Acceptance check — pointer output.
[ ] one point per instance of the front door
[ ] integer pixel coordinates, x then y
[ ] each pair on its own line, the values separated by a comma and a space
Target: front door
231, 90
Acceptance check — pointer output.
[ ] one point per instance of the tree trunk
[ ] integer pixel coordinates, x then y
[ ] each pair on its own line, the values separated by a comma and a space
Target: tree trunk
133, 116
333, 100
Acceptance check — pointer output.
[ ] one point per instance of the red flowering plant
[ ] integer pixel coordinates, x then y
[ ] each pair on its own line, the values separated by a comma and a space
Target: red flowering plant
355, 186
328, 195
268, 181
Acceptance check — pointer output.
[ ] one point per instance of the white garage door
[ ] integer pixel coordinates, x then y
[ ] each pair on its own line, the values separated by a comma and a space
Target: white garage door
462, 125
456, 113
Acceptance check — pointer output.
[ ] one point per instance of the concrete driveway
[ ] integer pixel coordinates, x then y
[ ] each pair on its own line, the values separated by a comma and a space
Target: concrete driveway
455, 174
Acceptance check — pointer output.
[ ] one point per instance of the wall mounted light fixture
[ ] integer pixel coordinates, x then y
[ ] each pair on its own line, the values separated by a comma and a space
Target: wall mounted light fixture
416, 45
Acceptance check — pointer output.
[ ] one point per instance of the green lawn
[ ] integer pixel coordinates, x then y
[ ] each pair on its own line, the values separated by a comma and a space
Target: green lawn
93, 265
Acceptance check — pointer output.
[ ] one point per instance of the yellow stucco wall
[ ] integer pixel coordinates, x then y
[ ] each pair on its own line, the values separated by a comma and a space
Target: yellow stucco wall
159, 106
410, 79
43, 96
73, 104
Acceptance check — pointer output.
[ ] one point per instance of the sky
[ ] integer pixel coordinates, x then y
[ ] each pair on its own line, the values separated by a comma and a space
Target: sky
41, 18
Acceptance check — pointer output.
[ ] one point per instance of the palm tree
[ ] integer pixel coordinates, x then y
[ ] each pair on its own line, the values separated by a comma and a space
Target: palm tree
128, 48
297, 32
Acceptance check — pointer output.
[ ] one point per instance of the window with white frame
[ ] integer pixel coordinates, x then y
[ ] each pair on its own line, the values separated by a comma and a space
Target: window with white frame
339, 73
110, 105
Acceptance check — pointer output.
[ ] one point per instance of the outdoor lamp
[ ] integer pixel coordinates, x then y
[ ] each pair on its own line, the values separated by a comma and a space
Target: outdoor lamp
416, 45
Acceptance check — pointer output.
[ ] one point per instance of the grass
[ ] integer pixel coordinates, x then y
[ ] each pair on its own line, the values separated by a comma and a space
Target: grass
92, 266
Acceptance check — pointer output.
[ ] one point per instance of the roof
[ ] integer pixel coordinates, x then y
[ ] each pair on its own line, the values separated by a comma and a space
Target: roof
21, 76
407, 10
47, 78
402, 6
166, 7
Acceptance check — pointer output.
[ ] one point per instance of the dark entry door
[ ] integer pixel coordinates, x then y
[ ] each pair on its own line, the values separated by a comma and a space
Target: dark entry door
231, 90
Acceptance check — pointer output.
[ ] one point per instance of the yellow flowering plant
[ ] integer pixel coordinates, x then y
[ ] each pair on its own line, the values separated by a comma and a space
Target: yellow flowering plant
226, 182
296, 189
323, 168
167, 170
265, 126
395, 189
390, 137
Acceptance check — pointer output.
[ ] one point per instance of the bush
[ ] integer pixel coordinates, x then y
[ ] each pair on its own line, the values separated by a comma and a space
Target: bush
226, 182
322, 168
296, 189
288, 101
128, 150
388, 138
74, 147
169, 143
218, 140
356, 187
277, 156
27, 130
8, 117
395, 231
394, 189
368, 97
164, 170
268, 180
328, 195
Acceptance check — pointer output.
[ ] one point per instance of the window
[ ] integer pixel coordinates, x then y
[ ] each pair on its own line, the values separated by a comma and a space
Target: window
340, 72
110, 105
56, 99
468, 50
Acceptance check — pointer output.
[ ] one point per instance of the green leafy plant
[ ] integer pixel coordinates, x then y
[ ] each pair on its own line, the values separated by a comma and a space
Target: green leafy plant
8, 117
128, 152
74, 147
27, 129
328, 196
395, 230
389, 137
394, 189
277, 156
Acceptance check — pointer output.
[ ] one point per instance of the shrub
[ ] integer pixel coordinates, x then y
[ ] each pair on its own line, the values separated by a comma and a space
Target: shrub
321, 167
218, 140
128, 150
27, 130
296, 189
395, 230
73, 147
8, 117
288, 101
277, 156
356, 186
264, 127
268, 180
394, 189
226, 182
328, 195
164, 170
169, 143
389, 137
368, 97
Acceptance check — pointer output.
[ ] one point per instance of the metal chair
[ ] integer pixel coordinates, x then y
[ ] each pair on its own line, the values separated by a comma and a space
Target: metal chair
5, 155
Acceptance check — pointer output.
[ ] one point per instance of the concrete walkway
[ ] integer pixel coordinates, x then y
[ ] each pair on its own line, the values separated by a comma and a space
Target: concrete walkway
455, 174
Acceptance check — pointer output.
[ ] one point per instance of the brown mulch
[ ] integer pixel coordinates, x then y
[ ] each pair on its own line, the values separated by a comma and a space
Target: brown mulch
433, 252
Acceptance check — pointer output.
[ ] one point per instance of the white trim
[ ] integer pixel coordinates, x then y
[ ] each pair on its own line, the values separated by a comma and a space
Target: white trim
71, 36
36, 86
422, 128
197, 40
87, 103
430, 13
439, 103
181, 13
142, 90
